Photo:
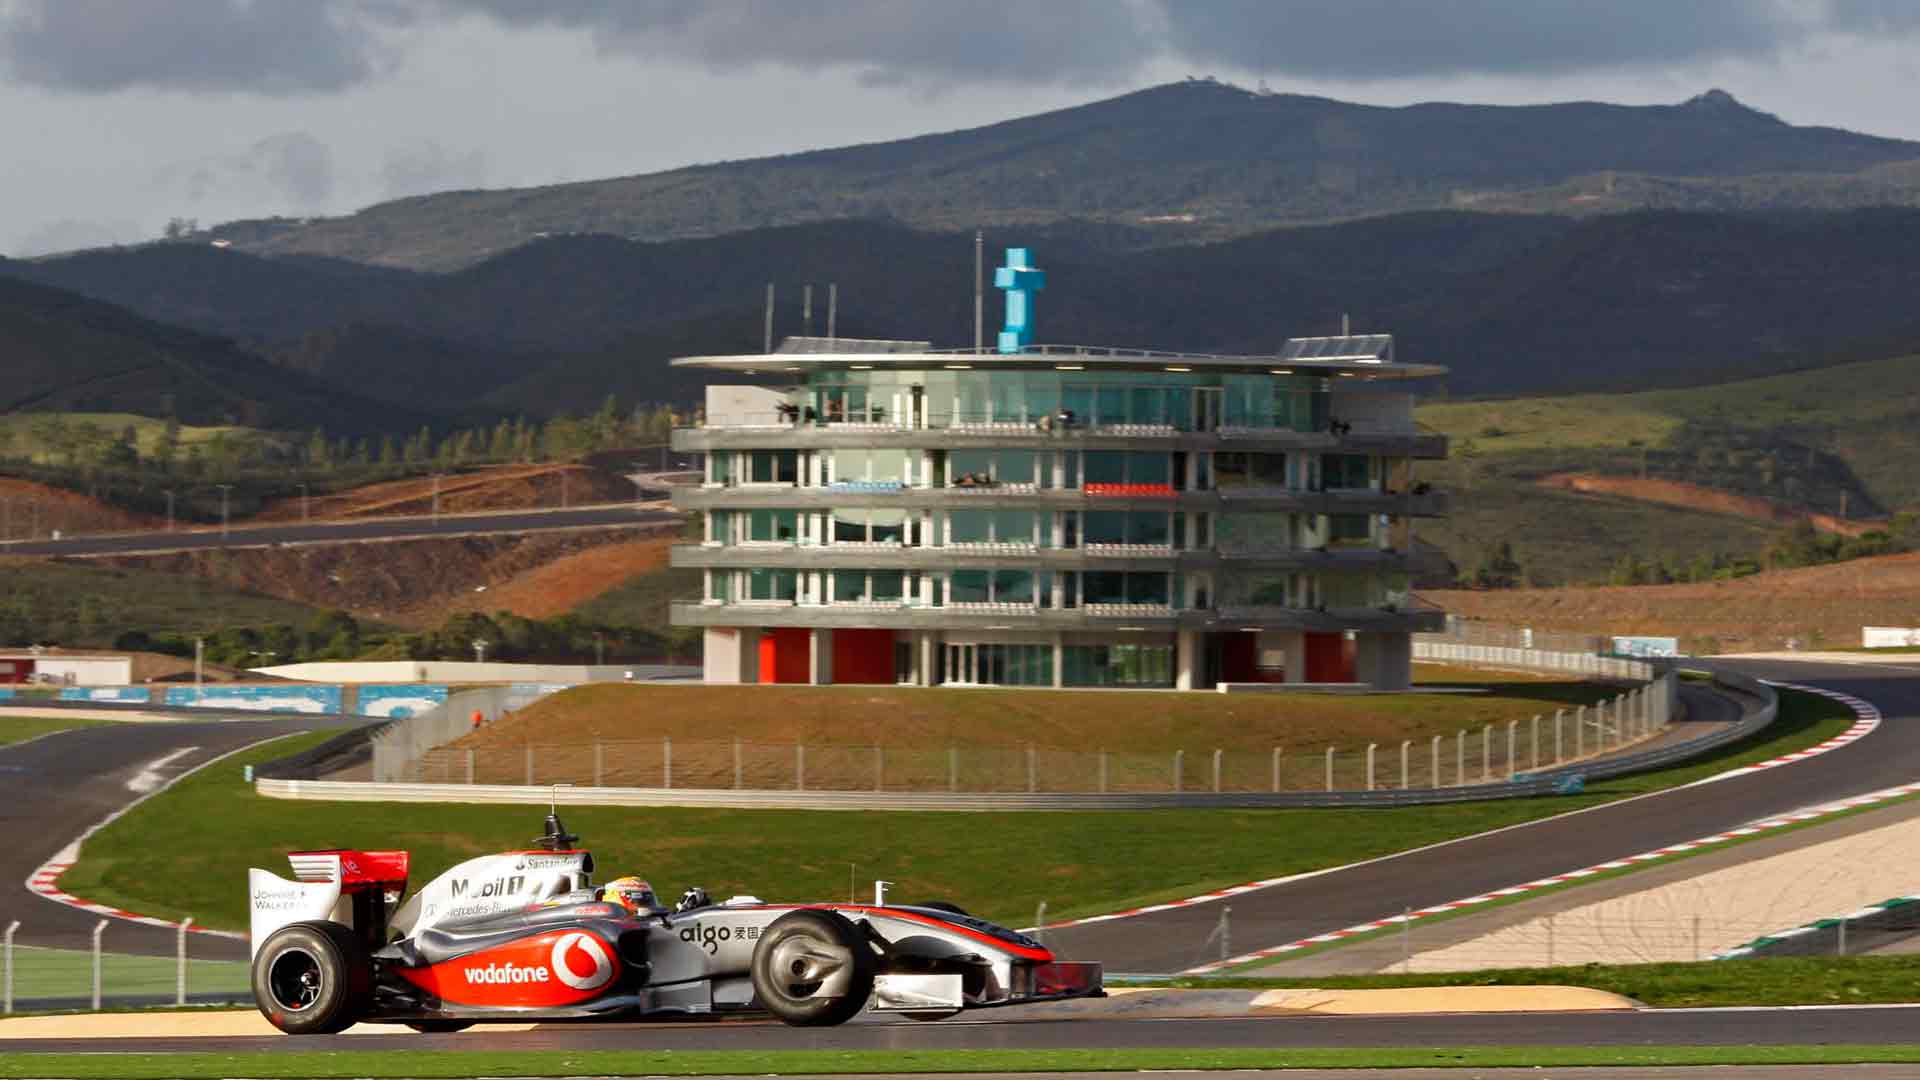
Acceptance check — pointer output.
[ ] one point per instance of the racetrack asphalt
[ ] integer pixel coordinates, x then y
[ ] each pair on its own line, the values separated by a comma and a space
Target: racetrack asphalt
78, 782
1178, 938
519, 521
60, 785
1028, 1029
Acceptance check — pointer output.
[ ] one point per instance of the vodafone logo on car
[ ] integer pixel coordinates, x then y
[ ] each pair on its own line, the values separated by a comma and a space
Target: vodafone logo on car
496, 974
581, 962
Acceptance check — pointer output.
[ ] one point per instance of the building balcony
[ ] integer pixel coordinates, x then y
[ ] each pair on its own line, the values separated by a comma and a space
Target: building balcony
773, 434
867, 555
1095, 617
886, 495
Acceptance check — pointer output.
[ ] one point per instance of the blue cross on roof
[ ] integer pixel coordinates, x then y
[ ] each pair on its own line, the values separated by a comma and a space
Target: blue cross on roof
1021, 281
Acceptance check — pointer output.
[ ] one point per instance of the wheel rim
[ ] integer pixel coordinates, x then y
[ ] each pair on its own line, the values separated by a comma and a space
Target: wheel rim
802, 965
294, 979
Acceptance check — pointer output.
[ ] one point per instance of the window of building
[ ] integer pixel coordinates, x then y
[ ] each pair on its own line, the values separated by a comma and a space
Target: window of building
1117, 665
722, 468
773, 584
1127, 467
720, 585
774, 467
887, 584
877, 466
1255, 532
1349, 528
773, 526
1343, 472
998, 665
1247, 470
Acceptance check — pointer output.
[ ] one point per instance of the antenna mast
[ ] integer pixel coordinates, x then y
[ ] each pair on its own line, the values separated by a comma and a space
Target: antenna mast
769, 331
979, 287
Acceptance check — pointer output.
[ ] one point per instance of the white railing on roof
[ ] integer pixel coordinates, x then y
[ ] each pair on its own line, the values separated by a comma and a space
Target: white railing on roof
1128, 611
1129, 550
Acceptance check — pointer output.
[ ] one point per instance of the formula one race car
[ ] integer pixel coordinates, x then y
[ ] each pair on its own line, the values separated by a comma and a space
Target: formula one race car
524, 936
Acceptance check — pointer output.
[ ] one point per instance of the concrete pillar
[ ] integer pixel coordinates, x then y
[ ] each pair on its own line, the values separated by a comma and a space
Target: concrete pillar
1293, 646
820, 657
731, 655
1059, 659
1186, 659
929, 658
1383, 661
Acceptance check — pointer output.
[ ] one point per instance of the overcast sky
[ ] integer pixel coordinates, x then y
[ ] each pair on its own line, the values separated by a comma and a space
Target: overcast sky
116, 115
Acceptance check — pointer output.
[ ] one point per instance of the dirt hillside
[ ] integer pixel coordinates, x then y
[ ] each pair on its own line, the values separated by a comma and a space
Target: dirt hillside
499, 487
1816, 605
1697, 497
28, 509
420, 582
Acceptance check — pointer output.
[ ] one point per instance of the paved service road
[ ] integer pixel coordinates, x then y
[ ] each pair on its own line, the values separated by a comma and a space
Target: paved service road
156, 543
1177, 939
59, 786
1706, 1027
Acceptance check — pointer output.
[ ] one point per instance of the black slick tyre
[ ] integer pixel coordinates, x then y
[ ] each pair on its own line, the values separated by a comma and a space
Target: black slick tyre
439, 1027
312, 978
812, 969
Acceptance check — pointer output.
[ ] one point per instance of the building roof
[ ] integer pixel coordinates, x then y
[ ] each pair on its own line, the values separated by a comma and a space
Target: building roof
1368, 356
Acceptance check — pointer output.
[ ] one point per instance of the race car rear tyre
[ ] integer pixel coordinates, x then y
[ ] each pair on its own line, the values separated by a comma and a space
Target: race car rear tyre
439, 1027
312, 978
812, 969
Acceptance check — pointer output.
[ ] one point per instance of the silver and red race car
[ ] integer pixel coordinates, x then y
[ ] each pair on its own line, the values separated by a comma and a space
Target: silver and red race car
525, 936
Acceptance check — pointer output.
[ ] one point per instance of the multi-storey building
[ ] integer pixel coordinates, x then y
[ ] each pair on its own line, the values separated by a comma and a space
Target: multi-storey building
1059, 515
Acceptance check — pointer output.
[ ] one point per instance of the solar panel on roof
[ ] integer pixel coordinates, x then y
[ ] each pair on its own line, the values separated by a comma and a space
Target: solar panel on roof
1356, 348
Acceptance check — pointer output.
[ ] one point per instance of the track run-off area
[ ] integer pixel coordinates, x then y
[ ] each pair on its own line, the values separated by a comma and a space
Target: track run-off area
71, 781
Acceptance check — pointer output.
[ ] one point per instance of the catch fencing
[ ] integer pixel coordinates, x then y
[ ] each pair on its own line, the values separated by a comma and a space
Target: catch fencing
36, 979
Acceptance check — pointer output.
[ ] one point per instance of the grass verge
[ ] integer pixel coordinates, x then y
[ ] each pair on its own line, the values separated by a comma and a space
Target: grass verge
68, 973
18, 729
1781, 980
186, 852
309, 1064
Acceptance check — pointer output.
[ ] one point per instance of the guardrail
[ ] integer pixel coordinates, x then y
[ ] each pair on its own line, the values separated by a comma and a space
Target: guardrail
1578, 663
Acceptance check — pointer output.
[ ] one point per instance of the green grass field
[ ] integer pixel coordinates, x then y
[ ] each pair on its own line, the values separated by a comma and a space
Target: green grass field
1781, 980
64, 973
17, 729
186, 852
467, 1063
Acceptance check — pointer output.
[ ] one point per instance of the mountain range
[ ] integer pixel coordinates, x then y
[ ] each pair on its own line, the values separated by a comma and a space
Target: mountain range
1171, 218
1184, 161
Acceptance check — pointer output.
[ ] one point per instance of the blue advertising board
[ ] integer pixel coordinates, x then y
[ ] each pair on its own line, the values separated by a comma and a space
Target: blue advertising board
400, 700
1642, 647
6, 691
298, 699
140, 694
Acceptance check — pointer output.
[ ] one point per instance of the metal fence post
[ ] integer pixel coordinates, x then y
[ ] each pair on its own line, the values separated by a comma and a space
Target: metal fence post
1103, 772
1533, 745
1460, 758
1580, 732
1329, 768
739, 763
1179, 764
529, 764
1406, 775
1033, 771
1842, 942
6, 976
469, 764
666, 761
1276, 769
1558, 716
1513, 736
799, 766
1216, 770
98, 929
1226, 931
1437, 740
1040, 923
1371, 747
953, 769
1486, 753
879, 767
180, 962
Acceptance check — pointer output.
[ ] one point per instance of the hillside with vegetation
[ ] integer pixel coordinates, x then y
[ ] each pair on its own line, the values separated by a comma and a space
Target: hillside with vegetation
1809, 467
1192, 160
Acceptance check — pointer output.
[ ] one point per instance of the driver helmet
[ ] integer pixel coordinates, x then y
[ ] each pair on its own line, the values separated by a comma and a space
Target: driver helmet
632, 893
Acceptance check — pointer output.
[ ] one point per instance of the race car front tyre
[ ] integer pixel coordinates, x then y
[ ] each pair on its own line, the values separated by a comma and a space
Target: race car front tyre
312, 978
812, 969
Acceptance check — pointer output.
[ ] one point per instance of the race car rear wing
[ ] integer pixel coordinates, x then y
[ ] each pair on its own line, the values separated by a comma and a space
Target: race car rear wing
354, 888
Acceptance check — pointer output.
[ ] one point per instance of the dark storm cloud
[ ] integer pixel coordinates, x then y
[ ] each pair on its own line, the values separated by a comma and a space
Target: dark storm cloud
271, 47
886, 41
305, 46
1371, 40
